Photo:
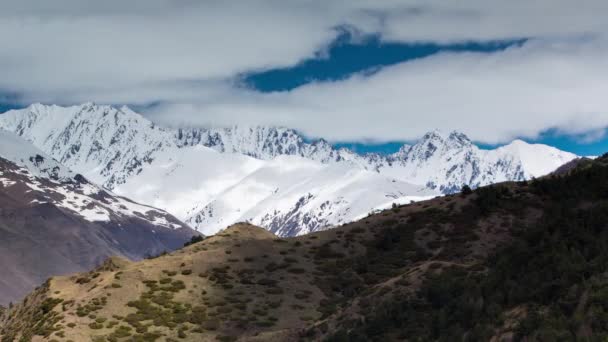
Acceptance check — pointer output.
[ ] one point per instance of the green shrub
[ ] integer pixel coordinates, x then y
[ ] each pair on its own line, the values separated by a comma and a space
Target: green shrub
95, 325
194, 239
296, 270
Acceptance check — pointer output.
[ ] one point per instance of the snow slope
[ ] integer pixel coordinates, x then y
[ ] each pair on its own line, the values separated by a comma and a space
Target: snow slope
445, 162
212, 190
35, 161
47, 181
292, 196
180, 180
167, 169
106, 144
268, 175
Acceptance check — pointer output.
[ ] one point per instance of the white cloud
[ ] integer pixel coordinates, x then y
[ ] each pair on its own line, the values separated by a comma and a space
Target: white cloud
492, 97
186, 52
49, 53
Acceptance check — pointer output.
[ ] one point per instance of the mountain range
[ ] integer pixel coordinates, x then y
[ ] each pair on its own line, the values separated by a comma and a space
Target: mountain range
515, 261
269, 176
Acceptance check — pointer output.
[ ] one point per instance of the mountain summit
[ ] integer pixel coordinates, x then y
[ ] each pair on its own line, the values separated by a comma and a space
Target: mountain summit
191, 171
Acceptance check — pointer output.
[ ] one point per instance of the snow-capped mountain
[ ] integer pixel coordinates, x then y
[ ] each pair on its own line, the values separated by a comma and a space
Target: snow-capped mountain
445, 162
54, 221
106, 144
193, 173
175, 171
47, 181
264, 143
441, 162
292, 195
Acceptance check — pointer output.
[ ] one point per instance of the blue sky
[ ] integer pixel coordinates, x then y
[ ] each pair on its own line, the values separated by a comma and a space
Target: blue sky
369, 54
563, 142
346, 56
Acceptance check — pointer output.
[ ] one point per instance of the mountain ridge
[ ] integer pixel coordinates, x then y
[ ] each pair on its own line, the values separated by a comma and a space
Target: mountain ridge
118, 148
54, 221
266, 142
506, 262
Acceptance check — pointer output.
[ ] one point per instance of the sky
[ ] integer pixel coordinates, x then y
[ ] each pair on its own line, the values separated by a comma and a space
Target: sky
364, 74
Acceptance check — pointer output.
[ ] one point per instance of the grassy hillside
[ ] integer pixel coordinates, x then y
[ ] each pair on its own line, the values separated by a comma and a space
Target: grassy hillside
506, 262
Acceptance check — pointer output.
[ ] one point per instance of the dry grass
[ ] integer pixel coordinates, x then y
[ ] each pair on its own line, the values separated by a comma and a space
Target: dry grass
245, 283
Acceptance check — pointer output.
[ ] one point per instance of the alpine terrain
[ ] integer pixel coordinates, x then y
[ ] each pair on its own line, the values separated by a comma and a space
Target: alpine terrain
515, 261
269, 176
54, 221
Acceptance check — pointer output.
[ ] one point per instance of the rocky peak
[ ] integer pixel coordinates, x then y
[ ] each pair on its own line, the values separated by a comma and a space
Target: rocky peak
435, 143
459, 138
117, 143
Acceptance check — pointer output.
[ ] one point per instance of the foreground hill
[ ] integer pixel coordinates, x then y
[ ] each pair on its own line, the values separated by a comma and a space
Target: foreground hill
53, 221
504, 262
214, 177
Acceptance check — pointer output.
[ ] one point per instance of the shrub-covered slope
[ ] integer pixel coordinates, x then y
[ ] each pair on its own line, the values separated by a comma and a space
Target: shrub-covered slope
506, 262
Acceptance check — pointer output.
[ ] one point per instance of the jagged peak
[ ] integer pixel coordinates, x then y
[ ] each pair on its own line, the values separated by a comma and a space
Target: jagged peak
438, 134
95, 108
258, 141
321, 142
437, 139
435, 134
456, 135
405, 148
89, 104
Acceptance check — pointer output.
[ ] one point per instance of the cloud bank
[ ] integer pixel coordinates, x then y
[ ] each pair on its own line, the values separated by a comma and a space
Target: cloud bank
187, 55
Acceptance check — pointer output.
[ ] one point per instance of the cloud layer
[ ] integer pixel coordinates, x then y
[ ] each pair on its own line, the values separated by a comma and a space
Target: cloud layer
186, 54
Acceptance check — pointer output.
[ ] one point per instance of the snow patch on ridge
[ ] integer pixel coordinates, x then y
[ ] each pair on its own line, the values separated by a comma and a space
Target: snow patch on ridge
50, 182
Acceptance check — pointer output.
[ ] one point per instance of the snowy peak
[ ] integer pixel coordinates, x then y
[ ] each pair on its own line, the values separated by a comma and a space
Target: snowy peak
292, 196
536, 159
202, 174
446, 162
258, 142
459, 139
437, 142
113, 142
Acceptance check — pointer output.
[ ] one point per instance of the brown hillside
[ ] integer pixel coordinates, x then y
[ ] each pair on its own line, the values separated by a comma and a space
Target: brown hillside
244, 283
508, 262
39, 238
